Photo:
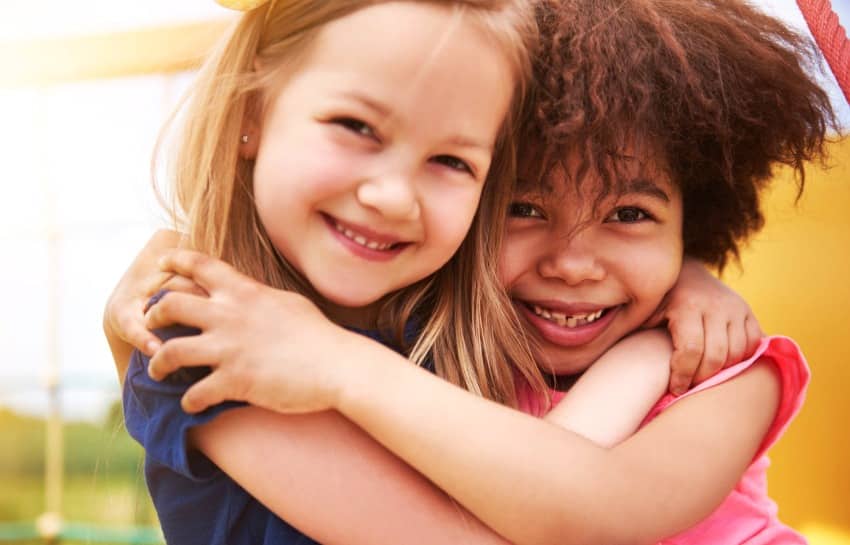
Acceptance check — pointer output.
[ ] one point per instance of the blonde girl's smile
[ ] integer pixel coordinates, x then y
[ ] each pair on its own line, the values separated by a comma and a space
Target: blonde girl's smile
372, 155
364, 242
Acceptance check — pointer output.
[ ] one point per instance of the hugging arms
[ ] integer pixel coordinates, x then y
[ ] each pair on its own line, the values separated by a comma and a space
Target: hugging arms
598, 493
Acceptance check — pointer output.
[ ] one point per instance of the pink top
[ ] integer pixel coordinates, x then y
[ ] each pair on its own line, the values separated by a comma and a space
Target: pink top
747, 515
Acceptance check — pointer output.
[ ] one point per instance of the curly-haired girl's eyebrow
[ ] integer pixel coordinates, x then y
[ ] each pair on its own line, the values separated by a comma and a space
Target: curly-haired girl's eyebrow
645, 186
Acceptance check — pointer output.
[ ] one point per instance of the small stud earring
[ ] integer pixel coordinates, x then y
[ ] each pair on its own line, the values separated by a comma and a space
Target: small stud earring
244, 139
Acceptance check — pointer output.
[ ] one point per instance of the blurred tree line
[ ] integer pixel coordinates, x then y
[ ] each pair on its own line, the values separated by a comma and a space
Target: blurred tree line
103, 471
88, 446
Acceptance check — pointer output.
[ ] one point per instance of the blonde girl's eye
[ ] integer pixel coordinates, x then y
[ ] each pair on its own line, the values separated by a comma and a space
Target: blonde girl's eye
524, 210
454, 163
628, 214
356, 126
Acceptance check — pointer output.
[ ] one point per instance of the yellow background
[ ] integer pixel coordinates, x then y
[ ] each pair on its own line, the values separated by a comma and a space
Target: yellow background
796, 277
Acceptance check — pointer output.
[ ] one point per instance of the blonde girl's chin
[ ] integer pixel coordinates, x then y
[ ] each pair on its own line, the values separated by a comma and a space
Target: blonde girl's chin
348, 309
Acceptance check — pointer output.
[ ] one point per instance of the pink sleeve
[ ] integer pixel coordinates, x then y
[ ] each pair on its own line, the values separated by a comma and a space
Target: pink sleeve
794, 377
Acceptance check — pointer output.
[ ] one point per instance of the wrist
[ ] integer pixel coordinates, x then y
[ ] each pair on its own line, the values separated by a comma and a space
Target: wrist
343, 379
366, 370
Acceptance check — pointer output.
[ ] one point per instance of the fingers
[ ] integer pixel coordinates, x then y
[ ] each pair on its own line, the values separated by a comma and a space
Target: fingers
754, 335
688, 343
208, 272
131, 325
716, 349
182, 284
207, 392
179, 308
192, 351
149, 277
737, 334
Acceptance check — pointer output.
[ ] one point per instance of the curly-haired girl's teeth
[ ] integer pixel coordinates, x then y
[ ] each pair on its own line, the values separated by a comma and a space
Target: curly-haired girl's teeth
569, 321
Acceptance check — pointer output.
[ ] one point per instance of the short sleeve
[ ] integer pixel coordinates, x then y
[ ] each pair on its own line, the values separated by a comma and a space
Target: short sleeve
794, 377
155, 419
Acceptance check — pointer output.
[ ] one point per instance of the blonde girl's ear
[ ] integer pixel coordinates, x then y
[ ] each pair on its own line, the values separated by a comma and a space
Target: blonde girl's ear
249, 135
249, 142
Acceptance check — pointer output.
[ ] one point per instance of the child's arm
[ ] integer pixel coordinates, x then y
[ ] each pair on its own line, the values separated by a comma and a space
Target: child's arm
334, 482
530, 480
711, 326
307, 469
611, 399
123, 324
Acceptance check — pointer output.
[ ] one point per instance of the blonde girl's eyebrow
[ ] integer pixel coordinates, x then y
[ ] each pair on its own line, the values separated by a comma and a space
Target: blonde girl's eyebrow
385, 111
470, 143
369, 102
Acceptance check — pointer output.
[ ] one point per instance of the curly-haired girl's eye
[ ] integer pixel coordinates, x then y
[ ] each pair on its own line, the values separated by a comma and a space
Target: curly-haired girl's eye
524, 210
628, 214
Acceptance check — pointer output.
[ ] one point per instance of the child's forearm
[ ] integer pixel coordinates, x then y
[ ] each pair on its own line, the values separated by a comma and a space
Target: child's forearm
325, 476
534, 482
496, 461
612, 398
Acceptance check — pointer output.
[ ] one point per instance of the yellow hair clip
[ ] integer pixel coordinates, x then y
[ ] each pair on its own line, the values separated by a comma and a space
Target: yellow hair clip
242, 5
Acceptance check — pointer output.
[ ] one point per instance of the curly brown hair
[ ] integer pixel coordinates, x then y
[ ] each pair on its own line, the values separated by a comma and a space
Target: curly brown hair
722, 92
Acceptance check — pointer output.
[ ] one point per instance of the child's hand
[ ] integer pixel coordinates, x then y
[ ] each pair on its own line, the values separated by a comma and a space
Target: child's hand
268, 347
123, 316
711, 326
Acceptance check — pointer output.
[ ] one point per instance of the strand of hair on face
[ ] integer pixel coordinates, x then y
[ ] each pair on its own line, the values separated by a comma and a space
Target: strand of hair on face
831, 39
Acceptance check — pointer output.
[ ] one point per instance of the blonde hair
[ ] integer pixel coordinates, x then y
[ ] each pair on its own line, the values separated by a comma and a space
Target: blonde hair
470, 328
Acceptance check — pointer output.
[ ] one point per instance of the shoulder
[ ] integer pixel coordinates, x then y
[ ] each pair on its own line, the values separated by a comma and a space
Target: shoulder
643, 356
777, 361
764, 392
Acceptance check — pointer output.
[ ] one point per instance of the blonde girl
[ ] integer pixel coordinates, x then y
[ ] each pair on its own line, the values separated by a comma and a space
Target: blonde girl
340, 149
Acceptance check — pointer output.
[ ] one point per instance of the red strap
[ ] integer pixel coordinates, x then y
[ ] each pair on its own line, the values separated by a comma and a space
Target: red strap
831, 38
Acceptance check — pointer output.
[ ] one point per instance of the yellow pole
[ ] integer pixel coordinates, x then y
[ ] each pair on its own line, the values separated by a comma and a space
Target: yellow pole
50, 523
55, 449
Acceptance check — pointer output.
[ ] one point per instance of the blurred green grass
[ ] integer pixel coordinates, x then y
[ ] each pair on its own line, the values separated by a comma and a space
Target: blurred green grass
103, 485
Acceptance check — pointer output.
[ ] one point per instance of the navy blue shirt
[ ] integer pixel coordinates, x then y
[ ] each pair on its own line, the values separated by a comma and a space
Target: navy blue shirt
196, 502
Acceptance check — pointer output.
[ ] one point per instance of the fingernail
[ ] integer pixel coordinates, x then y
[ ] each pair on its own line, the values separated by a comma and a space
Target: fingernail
187, 406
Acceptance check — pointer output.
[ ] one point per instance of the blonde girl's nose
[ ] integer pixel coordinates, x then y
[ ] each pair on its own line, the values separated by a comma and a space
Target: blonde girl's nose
392, 196
573, 262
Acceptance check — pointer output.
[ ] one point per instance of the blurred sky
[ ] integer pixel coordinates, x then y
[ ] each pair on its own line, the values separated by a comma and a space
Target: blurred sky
76, 160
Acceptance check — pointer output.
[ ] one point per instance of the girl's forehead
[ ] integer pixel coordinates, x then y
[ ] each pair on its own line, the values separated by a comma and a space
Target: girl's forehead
620, 173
